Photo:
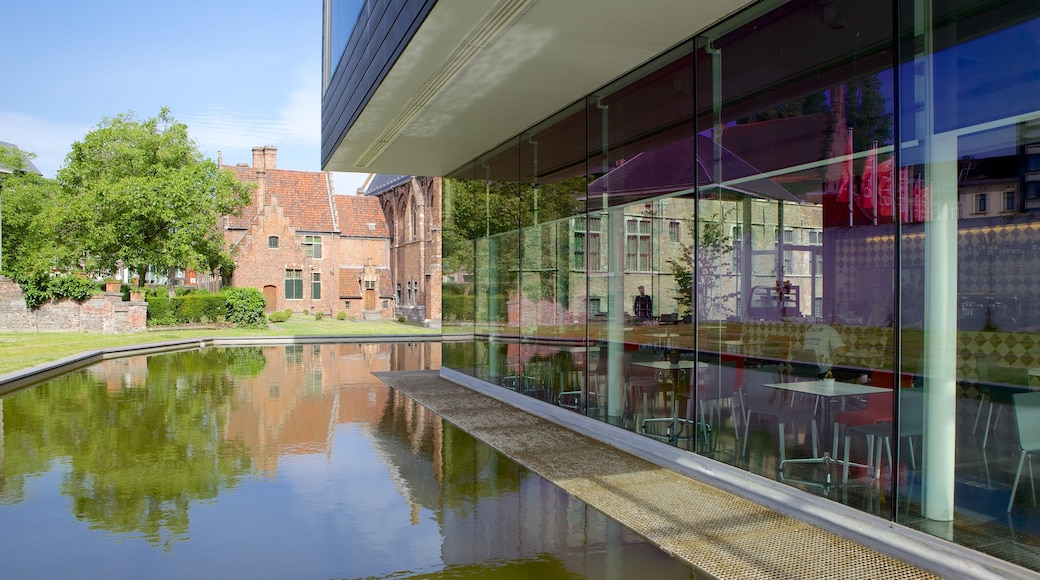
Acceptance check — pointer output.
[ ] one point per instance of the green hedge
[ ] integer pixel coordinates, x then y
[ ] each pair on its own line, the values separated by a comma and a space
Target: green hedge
239, 306
456, 307
201, 307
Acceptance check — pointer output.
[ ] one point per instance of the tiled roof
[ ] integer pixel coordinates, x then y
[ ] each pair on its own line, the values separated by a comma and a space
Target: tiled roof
381, 183
29, 166
348, 281
305, 197
361, 217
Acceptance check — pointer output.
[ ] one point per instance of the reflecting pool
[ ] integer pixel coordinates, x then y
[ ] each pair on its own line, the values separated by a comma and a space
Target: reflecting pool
278, 462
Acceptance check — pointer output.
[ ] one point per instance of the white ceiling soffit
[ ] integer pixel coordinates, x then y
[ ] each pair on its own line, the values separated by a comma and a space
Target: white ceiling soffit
478, 72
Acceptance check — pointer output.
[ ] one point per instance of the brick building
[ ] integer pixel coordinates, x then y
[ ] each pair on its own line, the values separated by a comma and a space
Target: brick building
307, 248
412, 208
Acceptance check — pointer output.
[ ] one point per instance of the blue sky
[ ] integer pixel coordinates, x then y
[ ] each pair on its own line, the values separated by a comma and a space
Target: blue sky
239, 74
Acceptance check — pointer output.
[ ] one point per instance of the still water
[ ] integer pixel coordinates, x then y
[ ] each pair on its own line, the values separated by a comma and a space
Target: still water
279, 462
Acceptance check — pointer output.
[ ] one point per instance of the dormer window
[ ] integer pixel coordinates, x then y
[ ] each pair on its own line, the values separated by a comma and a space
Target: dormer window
272, 242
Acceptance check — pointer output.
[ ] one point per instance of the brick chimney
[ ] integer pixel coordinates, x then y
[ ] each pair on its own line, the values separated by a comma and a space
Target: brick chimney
258, 160
270, 157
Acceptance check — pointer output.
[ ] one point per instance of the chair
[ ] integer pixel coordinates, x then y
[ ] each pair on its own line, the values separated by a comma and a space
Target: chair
524, 384
996, 386
666, 423
911, 424
776, 405
719, 385
573, 399
1027, 417
640, 389
878, 407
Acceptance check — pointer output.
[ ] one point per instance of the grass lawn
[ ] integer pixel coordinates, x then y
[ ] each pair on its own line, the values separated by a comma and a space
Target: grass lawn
23, 350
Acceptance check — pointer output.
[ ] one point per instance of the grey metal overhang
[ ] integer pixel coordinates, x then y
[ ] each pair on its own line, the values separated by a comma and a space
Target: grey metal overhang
477, 72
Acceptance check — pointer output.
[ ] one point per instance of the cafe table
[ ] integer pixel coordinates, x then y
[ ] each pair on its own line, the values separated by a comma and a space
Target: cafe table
674, 371
826, 391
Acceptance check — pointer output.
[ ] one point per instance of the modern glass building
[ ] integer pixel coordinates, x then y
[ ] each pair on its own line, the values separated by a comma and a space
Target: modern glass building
685, 219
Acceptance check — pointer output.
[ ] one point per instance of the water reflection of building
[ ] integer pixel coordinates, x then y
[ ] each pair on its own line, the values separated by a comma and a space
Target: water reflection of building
304, 391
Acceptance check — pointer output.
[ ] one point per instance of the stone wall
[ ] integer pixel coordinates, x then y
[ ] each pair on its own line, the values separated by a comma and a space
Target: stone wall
104, 313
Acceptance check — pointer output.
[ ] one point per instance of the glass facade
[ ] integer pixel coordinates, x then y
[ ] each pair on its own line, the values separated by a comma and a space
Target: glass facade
775, 245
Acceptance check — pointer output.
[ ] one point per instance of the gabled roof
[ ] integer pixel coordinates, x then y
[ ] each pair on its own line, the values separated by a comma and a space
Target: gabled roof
361, 217
381, 182
29, 166
304, 196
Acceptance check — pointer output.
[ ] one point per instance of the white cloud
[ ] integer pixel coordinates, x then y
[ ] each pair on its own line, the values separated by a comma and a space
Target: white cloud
348, 183
296, 124
49, 140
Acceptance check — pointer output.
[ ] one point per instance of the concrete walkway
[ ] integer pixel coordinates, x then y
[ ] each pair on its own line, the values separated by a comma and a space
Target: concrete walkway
720, 534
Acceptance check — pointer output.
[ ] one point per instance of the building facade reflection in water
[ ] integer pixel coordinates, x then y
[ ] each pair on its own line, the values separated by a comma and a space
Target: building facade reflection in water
279, 461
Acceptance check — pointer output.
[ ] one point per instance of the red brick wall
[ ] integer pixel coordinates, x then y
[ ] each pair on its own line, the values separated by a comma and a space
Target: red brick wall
259, 265
104, 313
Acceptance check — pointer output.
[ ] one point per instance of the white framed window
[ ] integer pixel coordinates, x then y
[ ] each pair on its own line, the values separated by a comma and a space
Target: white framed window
293, 284
312, 246
981, 203
673, 231
638, 244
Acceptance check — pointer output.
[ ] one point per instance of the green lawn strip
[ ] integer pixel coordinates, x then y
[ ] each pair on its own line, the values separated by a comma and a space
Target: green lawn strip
25, 350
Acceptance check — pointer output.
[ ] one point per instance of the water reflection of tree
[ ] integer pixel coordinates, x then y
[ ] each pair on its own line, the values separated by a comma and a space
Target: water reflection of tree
137, 457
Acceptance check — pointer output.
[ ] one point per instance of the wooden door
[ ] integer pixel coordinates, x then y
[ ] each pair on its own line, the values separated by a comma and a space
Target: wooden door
370, 299
271, 296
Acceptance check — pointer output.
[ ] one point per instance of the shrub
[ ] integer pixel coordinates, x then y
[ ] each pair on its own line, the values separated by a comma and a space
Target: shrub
288, 313
400, 318
342, 315
319, 315
74, 287
245, 306
160, 308
278, 316
457, 307
198, 307
39, 288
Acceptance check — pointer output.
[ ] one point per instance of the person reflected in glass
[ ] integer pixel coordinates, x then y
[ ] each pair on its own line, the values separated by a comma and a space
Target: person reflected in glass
825, 342
643, 305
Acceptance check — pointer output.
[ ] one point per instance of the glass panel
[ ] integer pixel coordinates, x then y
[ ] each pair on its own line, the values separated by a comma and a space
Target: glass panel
640, 149
552, 305
794, 261
968, 284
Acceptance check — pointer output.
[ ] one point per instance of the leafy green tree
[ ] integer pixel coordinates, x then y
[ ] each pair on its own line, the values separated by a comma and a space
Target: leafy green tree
867, 114
139, 193
135, 459
29, 240
714, 246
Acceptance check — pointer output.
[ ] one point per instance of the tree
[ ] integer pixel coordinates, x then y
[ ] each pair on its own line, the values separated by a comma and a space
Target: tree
713, 246
139, 194
866, 112
30, 244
